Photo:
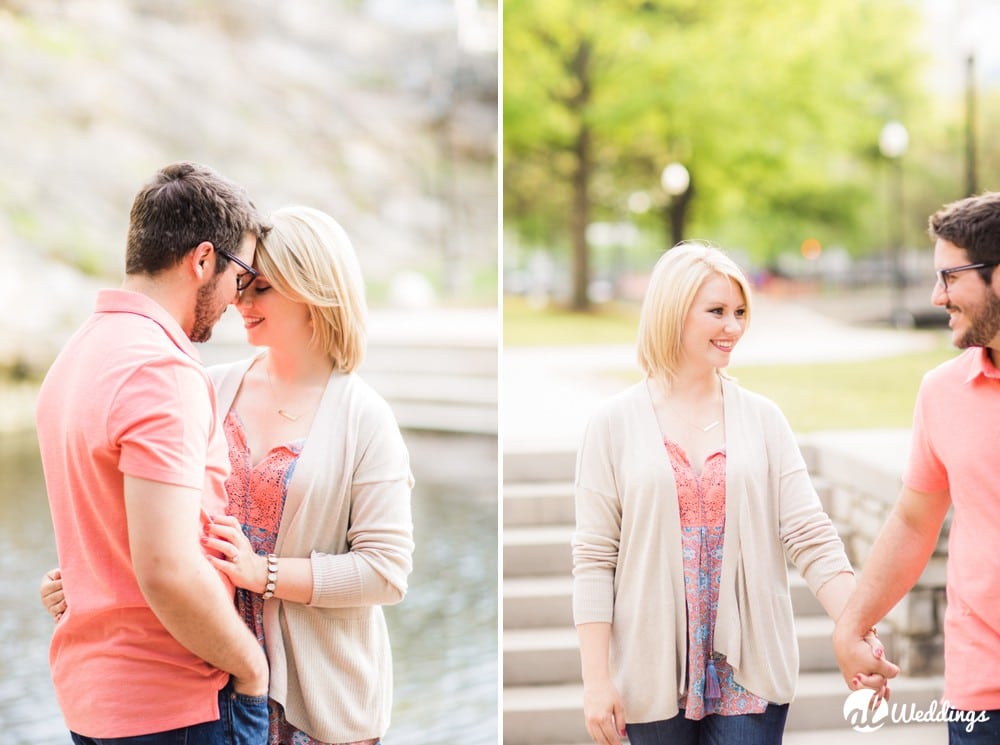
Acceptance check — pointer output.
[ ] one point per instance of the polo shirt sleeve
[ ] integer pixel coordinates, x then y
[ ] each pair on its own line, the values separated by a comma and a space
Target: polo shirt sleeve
159, 421
924, 471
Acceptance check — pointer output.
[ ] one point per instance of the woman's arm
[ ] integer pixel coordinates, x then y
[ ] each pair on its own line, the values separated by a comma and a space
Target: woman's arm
602, 704
248, 570
51, 592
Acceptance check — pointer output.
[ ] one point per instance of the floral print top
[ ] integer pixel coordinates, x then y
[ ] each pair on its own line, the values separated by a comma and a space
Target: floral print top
702, 503
256, 498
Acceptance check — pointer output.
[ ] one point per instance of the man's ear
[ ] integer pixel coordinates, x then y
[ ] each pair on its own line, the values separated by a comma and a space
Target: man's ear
201, 260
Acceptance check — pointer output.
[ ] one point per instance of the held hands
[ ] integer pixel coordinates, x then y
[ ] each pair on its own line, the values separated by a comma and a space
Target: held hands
877, 682
51, 592
229, 551
862, 661
604, 713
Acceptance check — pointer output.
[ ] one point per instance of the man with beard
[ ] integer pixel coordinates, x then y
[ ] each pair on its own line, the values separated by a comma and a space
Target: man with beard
953, 462
151, 648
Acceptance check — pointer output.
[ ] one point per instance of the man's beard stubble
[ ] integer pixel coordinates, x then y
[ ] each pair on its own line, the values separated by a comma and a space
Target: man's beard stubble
204, 315
984, 325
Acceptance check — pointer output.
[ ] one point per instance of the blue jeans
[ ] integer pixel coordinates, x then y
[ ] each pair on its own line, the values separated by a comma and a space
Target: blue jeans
742, 729
243, 720
987, 731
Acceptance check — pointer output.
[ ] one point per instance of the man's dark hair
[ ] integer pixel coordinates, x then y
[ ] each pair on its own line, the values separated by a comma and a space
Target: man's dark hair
185, 204
972, 223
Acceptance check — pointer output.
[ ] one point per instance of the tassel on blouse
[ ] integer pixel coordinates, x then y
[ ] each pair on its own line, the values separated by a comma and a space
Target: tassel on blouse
712, 692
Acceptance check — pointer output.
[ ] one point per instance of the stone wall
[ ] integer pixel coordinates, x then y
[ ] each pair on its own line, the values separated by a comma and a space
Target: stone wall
858, 477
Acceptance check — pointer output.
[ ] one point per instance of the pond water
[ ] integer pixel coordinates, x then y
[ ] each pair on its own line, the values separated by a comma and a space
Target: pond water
444, 633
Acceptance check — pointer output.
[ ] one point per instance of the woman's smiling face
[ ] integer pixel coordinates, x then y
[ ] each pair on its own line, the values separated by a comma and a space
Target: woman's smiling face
714, 323
270, 318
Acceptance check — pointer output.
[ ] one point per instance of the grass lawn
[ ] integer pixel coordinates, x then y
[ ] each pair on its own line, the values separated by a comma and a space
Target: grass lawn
524, 325
847, 395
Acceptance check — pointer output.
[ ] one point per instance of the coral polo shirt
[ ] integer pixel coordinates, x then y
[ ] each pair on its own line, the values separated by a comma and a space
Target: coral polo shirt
956, 432
127, 395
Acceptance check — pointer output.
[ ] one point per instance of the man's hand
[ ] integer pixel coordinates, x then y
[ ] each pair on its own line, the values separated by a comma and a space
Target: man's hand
861, 658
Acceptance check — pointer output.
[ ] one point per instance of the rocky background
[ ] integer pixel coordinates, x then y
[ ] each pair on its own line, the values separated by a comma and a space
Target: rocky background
381, 112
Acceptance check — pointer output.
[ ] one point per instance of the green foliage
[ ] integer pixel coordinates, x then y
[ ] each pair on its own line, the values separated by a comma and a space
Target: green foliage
773, 107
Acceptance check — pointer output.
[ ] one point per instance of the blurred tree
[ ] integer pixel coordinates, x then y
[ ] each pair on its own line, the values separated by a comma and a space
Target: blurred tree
774, 108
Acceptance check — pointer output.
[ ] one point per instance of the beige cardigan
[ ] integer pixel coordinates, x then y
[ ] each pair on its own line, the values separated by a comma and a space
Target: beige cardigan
348, 509
627, 550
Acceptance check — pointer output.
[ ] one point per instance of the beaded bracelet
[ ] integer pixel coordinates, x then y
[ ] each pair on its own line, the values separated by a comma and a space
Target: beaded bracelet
272, 576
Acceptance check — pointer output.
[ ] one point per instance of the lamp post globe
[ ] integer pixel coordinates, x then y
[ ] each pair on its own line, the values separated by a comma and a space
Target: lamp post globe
675, 179
893, 142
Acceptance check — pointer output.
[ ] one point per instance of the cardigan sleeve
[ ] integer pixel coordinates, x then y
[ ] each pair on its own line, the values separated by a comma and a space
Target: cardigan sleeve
809, 538
598, 526
379, 559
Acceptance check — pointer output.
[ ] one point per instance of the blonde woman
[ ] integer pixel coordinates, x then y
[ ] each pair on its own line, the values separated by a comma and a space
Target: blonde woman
691, 494
318, 533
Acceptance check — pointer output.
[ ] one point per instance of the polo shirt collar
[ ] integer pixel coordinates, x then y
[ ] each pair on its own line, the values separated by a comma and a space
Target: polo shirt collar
981, 364
126, 301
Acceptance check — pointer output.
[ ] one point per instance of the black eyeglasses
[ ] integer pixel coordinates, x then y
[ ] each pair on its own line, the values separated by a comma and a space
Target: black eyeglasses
243, 279
943, 274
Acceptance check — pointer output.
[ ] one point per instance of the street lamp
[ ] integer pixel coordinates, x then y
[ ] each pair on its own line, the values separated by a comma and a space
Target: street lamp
893, 142
676, 182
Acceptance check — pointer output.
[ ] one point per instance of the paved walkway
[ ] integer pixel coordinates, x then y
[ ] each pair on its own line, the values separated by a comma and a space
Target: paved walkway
547, 393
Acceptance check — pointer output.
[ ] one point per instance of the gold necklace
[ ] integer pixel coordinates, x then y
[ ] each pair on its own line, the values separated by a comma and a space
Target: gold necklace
274, 397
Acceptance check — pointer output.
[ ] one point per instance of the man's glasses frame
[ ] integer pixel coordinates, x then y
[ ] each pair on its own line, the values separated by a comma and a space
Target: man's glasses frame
245, 278
942, 274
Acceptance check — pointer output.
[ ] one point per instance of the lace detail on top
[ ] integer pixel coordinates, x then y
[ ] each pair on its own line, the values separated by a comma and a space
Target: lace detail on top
702, 504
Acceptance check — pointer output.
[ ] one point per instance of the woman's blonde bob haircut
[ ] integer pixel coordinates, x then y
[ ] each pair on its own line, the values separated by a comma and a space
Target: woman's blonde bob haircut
677, 276
308, 258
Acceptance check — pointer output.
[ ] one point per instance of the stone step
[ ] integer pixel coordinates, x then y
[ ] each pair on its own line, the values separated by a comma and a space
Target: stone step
551, 655
545, 714
471, 360
541, 656
534, 551
533, 602
889, 734
475, 419
405, 385
539, 464
544, 503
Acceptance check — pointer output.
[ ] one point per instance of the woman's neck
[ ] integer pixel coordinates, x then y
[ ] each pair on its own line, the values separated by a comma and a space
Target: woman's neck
694, 385
302, 366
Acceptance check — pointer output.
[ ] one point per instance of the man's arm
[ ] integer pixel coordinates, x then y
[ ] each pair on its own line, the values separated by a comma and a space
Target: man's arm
897, 559
183, 590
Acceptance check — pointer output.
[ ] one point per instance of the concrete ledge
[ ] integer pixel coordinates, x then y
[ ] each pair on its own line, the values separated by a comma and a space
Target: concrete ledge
538, 503
534, 551
536, 464
541, 656
532, 602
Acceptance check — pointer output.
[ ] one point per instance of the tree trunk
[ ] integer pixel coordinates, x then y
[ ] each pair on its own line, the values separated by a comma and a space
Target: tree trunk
579, 219
579, 67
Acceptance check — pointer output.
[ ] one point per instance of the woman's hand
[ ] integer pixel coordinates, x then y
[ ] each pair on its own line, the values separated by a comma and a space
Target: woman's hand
604, 713
876, 682
51, 592
229, 551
